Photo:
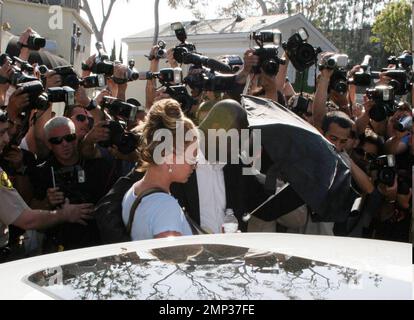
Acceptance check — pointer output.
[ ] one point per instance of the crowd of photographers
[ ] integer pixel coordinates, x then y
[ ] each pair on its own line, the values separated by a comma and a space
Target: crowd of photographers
66, 139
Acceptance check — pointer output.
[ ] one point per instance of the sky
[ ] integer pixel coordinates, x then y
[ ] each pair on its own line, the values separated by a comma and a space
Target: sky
138, 15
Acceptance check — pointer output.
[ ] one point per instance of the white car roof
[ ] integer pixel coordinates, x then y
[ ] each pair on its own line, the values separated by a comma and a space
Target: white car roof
383, 269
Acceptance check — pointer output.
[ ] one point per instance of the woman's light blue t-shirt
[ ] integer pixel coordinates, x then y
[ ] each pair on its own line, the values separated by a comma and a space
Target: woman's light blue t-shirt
156, 214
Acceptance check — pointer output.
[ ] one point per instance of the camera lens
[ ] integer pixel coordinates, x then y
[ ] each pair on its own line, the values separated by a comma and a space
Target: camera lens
306, 53
378, 113
387, 176
270, 67
179, 54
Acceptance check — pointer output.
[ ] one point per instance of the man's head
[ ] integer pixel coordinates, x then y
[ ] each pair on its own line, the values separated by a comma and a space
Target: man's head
61, 139
4, 128
82, 119
336, 127
204, 109
226, 114
228, 118
369, 149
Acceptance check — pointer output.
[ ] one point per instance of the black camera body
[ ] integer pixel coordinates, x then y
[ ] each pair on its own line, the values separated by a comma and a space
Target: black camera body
166, 76
25, 66
211, 81
20, 74
404, 61
71, 79
384, 99
361, 79
184, 47
400, 81
118, 108
182, 50
300, 52
339, 81
180, 93
269, 60
101, 65
126, 142
339, 78
132, 73
385, 168
34, 89
18, 77
233, 61
401, 74
301, 105
36, 42
69, 76
199, 61
97, 81
64, 94
161, 52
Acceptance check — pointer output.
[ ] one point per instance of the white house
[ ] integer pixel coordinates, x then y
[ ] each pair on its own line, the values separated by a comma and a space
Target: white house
218, 37
20, 14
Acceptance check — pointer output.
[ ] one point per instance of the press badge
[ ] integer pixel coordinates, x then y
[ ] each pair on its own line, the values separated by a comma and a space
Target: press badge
81, 176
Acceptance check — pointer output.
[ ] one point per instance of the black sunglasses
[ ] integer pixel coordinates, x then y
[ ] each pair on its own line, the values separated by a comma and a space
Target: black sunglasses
83, 118
59, 140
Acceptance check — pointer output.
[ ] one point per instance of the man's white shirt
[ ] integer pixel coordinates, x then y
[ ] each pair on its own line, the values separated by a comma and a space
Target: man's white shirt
212, 194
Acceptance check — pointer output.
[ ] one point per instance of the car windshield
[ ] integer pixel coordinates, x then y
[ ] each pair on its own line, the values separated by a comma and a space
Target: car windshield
212, 272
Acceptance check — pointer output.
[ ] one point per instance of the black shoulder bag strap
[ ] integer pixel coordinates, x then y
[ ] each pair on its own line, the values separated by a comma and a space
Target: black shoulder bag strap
194, 226
136, 204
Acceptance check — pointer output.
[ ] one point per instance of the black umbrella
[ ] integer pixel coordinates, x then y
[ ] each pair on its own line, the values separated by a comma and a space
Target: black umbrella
41, 57
304, 159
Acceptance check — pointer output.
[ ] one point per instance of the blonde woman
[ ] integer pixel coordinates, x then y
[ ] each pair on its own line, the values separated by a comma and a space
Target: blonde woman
149, 211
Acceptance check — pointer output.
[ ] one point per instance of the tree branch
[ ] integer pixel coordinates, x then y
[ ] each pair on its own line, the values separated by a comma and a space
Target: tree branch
263, 6
108, 14
88, 12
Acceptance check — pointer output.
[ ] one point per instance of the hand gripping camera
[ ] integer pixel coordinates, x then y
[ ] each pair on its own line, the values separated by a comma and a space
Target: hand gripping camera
338, 63
384, 99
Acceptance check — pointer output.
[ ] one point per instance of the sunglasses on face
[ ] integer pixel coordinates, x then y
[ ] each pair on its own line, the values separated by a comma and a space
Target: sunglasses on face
83, 118
59, 140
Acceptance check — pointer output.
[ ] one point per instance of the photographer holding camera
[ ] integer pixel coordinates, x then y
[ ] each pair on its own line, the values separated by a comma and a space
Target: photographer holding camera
65, 174
14, 211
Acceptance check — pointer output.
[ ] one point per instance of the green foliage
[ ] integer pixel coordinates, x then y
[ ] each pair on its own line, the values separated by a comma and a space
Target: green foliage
346, 23
392, 27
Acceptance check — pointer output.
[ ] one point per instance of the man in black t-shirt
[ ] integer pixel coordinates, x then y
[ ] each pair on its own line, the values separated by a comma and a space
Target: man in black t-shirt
65, 176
